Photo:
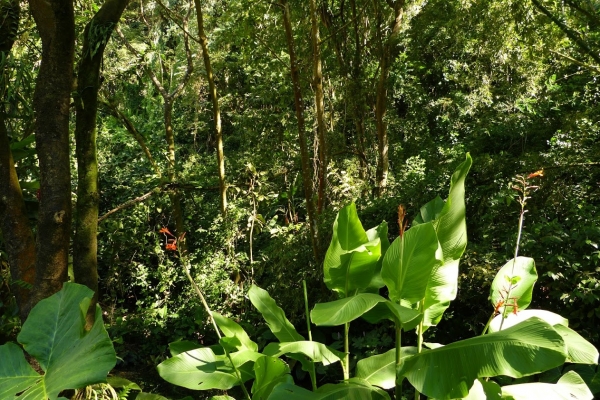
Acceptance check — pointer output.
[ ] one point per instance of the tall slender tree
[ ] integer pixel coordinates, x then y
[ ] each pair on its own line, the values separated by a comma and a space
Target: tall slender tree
85, 248
305, 159
215, 105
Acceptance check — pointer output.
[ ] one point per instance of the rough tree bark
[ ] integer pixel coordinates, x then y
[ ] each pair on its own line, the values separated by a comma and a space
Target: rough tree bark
14, 223
95, 37
306, 175
56, 25
320, 112
216, 109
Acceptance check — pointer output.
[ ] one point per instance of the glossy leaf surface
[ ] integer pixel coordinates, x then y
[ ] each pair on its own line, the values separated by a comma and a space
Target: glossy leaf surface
449, 371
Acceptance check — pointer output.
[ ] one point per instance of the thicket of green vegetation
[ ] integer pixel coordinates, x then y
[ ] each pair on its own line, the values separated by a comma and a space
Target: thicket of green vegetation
248, 125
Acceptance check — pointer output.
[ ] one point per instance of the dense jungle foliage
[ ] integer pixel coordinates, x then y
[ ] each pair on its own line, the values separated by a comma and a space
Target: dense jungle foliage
244, 127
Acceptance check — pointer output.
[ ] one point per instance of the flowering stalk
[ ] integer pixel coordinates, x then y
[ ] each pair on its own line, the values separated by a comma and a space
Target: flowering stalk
171, 244
522, 185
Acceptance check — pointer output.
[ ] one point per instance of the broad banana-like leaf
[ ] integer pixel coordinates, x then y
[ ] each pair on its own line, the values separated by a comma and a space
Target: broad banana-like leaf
451, 229
380, 370
202, 369
353, 389
589, 374
570, 386
515, 280
315, 351
54, 334
182, 346
199, 369
149, 396
269, 372
513, 319
484, 390
351, 259
407, 318
278, 323
408, 263
356, 269
233, 330
449, 371
430, 211
341, 311
380, 232
579, 350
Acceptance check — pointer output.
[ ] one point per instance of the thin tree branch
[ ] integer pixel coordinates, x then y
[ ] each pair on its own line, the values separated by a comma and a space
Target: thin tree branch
148, 70
592, 68
188, 56
176, 22
130, 203
326, 38
130, 127
571, 34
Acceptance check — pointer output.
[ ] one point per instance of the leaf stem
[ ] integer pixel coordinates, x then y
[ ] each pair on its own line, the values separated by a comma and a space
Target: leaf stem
313, 376
346, 365
398, 391
186, 268
420, 339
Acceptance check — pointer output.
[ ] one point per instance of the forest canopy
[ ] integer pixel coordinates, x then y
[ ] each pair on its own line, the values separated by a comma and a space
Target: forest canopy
147, 143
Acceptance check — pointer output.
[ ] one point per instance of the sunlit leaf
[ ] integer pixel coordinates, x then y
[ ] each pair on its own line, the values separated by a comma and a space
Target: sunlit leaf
449, 371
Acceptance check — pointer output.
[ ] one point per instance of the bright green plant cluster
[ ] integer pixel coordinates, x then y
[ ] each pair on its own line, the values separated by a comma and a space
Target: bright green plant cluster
419, 274
55, 336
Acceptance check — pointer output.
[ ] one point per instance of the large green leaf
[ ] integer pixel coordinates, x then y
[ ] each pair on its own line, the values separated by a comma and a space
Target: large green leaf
579, 350
451, 230
514, 282
315, 351
484, 390
281, 327
408, 263
54, 335
344, 310
407, 318
199, 369
513, 319
181, 346
380, 232
269, 372
570, 386
449, 371
353, 389
356, 270
16, 374
351, 261
380, 370
233, 330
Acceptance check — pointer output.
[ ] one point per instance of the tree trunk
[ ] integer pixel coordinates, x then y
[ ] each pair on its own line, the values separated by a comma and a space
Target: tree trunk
306, 175
385, 60
320, 112
56, 25
358, 106
96, 34
14, 223
216, 109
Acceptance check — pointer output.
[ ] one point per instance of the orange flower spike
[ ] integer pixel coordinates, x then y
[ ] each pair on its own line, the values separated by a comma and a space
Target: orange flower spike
536, 174
172, 245
515, 307
498, 306
166, 231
